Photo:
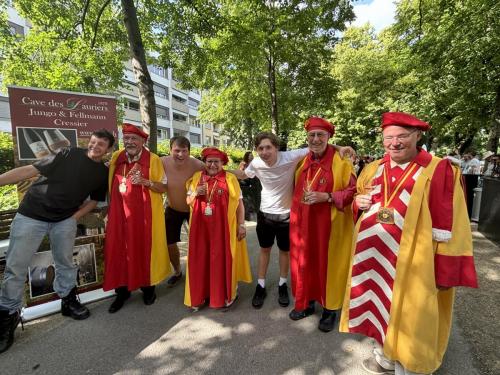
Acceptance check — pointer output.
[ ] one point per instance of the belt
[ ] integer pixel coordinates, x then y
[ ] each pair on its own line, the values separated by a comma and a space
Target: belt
283, 218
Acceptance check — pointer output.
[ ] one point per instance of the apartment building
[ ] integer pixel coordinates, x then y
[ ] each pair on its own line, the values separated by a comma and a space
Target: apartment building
176, 108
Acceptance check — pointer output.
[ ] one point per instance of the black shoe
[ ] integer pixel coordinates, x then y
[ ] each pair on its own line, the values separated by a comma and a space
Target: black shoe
174, 279
283, 298
327, 320
148, 295
122, 294
297, 315
8, 324
71, 306
259, 297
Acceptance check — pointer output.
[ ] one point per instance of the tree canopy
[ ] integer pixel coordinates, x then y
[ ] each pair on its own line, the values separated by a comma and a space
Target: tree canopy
271, 64
264, 62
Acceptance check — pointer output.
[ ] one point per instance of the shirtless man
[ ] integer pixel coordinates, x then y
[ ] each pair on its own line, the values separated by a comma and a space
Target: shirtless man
179, 167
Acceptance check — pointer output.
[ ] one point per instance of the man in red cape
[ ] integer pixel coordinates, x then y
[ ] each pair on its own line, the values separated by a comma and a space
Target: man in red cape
217, 256
412, 245
321, 226
135, 251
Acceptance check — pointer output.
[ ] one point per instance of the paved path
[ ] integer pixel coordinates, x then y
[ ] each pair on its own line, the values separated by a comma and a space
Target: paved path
166, 338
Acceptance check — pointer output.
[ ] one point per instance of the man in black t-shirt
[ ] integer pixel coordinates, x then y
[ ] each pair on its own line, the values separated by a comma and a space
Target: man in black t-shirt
52, 205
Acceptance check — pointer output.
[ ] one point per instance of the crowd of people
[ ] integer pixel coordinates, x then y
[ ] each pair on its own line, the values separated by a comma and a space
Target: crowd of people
382, 251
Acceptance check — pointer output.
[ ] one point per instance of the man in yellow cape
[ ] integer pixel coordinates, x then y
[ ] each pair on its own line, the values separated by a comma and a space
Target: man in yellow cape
321, 225
412, 246
135, 250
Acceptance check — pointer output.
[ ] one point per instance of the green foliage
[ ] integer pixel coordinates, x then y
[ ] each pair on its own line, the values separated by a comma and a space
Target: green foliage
440, 62
240, 49
8, 193
8, 197
6, 152
235, 154
452, 49
64, 49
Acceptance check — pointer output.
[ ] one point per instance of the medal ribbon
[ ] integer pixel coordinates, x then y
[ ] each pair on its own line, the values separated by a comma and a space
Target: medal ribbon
128, 174
309, 183
209, 200
399, 183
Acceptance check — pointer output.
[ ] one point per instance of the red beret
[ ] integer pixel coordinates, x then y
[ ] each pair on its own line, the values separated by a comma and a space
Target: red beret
403, 119
129, 128
214, 152
319, 123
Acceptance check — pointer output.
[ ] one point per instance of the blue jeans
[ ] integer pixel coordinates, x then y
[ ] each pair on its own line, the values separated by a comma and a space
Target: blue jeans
26, 235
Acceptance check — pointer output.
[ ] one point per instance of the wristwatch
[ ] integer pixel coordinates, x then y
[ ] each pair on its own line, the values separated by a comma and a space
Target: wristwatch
151, 183
330, 198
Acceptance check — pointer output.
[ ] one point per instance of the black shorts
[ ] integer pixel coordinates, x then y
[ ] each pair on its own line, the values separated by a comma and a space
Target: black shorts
271, 226
173, 224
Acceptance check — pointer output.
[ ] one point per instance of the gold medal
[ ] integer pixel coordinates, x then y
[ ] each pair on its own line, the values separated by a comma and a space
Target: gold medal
122, 188
208, 211
385, 215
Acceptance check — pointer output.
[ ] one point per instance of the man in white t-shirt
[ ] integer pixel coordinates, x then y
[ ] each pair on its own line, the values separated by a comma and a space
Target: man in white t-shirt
275, 169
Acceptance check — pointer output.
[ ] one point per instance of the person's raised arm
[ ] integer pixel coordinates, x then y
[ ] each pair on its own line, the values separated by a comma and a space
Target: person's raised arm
345, 151
18, 174
240, 175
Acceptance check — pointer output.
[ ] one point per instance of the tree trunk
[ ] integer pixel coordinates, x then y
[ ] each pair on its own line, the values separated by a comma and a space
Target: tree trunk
271, 79
495, 125
140, 67
247, 126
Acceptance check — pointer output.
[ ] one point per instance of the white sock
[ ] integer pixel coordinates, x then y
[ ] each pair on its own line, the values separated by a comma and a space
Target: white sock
261, 282
283, 280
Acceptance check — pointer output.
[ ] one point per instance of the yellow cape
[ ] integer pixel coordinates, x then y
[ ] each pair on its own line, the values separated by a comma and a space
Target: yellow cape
420, 316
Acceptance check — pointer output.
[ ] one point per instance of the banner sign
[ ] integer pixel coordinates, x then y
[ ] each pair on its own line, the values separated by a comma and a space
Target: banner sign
44, 121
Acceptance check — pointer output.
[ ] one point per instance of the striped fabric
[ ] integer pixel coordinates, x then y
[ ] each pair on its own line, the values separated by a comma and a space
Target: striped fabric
375, 258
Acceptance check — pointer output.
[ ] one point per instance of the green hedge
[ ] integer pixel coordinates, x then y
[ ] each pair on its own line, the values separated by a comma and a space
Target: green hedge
8, 194
235, 154
6, 152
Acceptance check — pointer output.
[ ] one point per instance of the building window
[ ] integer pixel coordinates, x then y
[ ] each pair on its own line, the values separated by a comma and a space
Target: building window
208, 126
162, 112
194, 138
216, 127
134, 106
193, 103
158, 70
216, 142
15, 29
193, 121
179, 117
178, 99
178, 132
208, 140
163, 133
160, 91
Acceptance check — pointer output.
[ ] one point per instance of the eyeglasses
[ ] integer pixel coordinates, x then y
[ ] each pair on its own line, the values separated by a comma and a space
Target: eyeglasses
401, 137
212, 162
311, 135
